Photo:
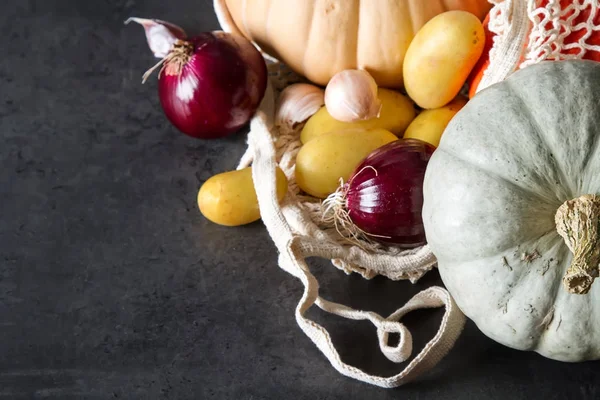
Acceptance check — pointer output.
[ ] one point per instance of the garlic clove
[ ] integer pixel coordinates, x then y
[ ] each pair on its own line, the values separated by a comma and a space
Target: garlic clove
161, 35
351, 95
297, 103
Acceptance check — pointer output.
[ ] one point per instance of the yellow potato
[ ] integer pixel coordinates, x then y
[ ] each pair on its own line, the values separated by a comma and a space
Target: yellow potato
441, 56
324, 160
397, 111
229, 198
429, 125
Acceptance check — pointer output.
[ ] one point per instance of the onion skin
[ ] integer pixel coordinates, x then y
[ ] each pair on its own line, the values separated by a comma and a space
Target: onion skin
384, 196
217, 90
160, 34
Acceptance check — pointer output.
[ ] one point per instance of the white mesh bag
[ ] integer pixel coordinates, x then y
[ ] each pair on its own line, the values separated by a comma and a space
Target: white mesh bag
527, 32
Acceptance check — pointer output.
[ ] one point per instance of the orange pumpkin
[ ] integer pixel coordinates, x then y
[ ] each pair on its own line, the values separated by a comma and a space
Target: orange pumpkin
483, 62
318, 38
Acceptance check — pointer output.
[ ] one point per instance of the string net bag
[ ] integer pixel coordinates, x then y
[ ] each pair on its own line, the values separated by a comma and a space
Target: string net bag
526, 32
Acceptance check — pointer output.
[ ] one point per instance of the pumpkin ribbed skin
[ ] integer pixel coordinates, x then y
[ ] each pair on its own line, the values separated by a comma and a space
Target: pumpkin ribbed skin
506, 162
318, 38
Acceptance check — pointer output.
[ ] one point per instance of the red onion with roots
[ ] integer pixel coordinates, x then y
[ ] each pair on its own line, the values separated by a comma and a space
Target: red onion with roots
210, 85
383, 198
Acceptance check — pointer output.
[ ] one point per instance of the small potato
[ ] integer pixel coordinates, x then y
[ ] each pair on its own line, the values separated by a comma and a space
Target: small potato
324, 160
229, 198
430, 124
397, 111
441, 56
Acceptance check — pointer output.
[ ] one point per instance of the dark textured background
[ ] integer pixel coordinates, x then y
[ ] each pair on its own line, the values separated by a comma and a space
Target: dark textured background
112, 285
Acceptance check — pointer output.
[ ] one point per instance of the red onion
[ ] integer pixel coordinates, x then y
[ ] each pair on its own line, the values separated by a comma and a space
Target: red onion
210, 85
384, 196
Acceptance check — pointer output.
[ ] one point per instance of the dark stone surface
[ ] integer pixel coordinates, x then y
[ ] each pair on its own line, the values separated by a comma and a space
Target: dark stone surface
112, 285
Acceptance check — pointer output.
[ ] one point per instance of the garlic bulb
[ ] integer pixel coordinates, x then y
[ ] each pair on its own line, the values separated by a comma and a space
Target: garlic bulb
351, 95
297, 103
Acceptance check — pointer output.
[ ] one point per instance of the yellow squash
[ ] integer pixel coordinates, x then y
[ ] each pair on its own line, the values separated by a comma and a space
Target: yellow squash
441, 57
324, 160
397, 111
229, 198
430, 124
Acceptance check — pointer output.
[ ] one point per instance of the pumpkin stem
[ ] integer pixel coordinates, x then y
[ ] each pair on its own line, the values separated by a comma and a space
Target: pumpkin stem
578, 222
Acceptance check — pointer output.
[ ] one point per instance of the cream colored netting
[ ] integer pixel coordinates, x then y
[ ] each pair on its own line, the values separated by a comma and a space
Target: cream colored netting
527, 31
531, 31
303, 212
298, 231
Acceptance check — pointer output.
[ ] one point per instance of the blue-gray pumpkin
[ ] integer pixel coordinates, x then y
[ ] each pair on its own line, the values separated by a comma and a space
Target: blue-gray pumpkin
512, 209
